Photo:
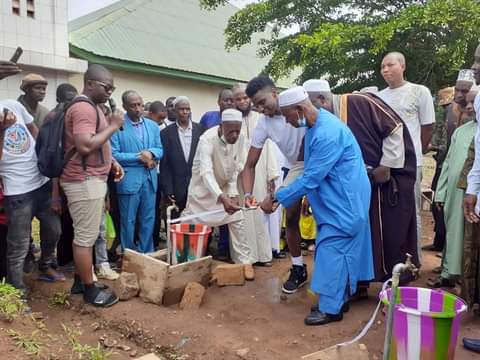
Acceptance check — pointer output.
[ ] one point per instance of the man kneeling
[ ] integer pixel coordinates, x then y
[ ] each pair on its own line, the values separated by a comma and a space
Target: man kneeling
214, 184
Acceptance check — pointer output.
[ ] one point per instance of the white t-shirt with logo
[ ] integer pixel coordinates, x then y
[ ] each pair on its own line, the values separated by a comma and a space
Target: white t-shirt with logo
414, 104
18, 166
288, 138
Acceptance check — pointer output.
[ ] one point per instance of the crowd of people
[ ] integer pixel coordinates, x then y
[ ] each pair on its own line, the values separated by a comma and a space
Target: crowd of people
354, 159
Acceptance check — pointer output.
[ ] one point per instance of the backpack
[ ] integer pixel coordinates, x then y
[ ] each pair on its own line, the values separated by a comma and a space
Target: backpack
49, 145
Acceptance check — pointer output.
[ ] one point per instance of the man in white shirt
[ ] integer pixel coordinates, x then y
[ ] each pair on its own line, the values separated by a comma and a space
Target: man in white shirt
27, 194
414, 104
272, 125
266, 172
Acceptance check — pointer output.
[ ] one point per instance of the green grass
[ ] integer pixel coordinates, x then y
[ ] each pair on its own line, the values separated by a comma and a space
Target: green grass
60, 298
29, 344
85, 351
11, 304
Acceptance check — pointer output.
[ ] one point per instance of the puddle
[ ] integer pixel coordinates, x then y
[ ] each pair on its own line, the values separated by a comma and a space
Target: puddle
273, 291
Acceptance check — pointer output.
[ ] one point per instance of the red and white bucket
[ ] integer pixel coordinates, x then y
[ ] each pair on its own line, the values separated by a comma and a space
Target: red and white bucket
189, 242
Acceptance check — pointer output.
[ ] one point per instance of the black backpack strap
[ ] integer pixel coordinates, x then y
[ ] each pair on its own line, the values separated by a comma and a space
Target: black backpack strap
102, 159
68, 156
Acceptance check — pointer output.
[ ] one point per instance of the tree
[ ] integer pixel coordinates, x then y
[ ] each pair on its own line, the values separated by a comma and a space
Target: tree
345, 40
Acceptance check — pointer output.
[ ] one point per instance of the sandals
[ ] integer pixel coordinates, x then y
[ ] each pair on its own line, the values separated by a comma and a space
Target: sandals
100, 298
51, 276
440, 282
79, 288
263, 264
278, 254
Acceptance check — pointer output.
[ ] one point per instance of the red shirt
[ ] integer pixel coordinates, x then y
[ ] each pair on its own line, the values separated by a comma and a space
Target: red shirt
81, 118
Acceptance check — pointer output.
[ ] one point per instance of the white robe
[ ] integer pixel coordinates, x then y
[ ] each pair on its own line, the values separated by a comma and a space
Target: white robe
256, 227
215, 170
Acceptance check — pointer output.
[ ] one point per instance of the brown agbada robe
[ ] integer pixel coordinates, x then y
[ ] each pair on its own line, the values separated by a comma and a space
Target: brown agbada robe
392, 208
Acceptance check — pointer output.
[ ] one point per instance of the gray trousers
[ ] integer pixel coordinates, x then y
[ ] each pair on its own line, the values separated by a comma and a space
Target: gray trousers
20, 210
101, 255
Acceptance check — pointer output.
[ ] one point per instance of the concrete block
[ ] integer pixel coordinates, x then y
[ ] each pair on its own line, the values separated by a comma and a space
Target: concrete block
126, 286
151, 273
192, 297
229, 274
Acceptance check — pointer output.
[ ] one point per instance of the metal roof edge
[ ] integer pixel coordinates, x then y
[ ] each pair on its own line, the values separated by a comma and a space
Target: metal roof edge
149, 69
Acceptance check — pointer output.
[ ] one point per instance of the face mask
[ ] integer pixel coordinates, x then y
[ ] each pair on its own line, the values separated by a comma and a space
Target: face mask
302, 122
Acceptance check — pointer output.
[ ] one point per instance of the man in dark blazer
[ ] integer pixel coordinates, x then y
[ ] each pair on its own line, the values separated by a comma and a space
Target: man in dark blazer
179, 142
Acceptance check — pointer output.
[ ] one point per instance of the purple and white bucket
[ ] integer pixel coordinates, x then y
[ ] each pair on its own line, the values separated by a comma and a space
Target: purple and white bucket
425, 323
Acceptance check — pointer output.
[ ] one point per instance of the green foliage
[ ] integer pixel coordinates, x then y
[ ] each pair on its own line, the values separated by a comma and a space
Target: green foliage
11, 304
60, 298
345, 40
85, 351
28, 344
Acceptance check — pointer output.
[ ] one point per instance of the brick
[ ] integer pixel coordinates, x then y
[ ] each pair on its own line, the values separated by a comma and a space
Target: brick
126, 286
230, 274
192, 297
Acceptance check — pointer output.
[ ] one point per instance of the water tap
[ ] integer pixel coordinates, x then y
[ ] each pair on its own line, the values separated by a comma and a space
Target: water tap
401, 267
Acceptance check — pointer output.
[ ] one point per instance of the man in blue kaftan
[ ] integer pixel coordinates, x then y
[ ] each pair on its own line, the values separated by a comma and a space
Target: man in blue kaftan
336, 183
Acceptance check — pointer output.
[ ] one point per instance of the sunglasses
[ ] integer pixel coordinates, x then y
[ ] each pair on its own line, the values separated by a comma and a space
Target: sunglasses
106, 87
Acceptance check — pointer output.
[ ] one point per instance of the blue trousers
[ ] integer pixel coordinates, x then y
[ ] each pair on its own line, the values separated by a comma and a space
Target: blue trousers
341, 260
137, 207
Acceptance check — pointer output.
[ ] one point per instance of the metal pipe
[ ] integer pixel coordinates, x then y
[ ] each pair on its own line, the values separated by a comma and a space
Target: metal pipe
397, 271
169, 244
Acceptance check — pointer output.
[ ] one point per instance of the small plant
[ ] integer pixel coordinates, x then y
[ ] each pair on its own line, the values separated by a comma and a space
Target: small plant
28, 344
40, 324
11, 303
60, 298
85, 351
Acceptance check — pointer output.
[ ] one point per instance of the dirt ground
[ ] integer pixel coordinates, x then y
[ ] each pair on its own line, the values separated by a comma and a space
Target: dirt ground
248, 322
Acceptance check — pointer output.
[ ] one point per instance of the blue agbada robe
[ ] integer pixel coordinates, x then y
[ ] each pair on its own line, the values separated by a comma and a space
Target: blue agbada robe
338, 189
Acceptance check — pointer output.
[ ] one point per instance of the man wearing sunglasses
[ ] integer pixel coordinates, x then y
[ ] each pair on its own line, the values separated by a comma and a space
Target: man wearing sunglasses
84, 177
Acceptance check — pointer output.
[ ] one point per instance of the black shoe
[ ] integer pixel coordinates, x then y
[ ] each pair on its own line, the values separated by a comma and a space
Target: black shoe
431, 248
79, 288
298, 278
278, 254
99, 298
29, 263
345, 307
321, 318
472, 344
440, 282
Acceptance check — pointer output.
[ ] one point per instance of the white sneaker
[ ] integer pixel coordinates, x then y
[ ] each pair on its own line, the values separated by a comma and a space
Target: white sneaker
104, 271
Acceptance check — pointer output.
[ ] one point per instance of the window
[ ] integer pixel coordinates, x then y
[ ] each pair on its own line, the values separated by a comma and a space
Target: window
16, 7
30, 8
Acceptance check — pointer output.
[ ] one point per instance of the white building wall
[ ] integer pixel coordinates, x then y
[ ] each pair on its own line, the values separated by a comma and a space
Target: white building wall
44, 40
